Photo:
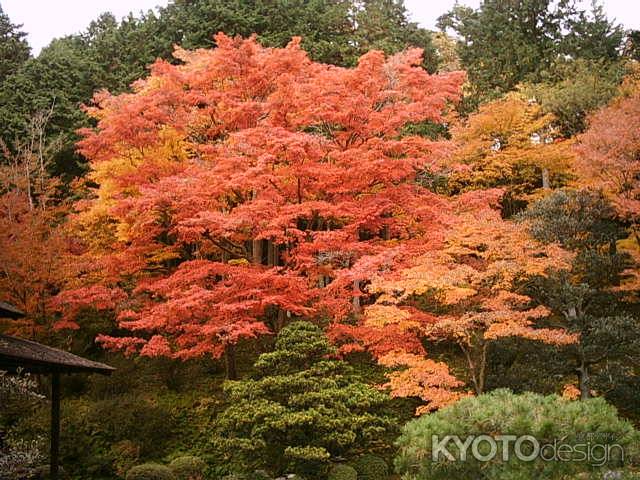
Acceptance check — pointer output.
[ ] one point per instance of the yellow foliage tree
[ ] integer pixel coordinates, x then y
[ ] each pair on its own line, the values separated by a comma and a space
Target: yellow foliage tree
510, 143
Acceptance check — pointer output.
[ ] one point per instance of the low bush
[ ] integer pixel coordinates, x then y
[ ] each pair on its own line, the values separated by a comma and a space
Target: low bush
371, 467
550, 436
342, 472
188, 468
150, 471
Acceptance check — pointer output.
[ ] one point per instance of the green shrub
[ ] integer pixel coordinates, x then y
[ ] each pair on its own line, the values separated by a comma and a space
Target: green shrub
342, 472
547, 419
371, 467
130, 417
125, 455
188, 468
273, 421
41, 472
150, 471
260, 475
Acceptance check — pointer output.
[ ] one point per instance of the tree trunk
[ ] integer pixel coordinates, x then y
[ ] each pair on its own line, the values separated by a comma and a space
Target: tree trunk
483, 369
230, 361
281, 320
546, 183
476, 371
272, 261
257, 251
357, 308
583, 381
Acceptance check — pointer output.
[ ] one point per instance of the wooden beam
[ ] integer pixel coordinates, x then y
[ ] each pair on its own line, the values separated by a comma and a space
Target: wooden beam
55, 425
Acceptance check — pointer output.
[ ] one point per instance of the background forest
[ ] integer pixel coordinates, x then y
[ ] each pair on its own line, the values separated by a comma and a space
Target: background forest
309, 234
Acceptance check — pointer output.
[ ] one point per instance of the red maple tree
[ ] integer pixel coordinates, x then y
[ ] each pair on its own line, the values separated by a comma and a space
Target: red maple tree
249, 185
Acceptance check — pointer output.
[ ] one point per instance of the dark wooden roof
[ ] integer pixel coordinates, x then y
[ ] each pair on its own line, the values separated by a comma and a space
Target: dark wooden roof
9, 311
17, 353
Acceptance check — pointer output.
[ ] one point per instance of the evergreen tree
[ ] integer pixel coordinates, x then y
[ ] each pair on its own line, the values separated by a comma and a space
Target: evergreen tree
584, 299
384, 25
504, 43
14, 49
60, 79
301, 409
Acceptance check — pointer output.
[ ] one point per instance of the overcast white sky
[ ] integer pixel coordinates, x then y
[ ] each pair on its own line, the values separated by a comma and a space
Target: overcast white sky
44, 20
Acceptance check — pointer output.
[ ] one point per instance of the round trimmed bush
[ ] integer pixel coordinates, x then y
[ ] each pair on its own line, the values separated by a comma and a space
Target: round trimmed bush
150, 471
188, 467
342, 472
547, 422
371, 467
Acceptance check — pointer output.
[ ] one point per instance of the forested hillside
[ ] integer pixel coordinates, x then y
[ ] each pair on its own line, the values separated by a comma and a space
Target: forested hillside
312, 236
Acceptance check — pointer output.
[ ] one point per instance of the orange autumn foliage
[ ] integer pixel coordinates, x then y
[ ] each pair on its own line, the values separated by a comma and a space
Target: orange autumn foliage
471, 286
246, 186
609, 153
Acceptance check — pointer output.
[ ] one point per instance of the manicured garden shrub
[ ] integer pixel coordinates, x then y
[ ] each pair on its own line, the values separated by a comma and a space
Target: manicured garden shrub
547, 419
188, 467
273, 421
371, 467
150, 471
342, 472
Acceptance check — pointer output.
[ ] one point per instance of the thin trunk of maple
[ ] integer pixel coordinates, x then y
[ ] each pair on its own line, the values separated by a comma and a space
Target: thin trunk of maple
281, 320
27, 175
272, 253
546, 182
357, 308
256, 247
483, 367
477, 367
230, 362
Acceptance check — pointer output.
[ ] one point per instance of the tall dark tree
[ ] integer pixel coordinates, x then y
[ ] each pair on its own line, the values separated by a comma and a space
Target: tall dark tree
122, 51
504, 43
14, 49
384, 25
332, 31
60, 79
574, 88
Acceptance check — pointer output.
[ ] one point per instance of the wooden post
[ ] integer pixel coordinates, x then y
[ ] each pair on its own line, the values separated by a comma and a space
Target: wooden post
55, 424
